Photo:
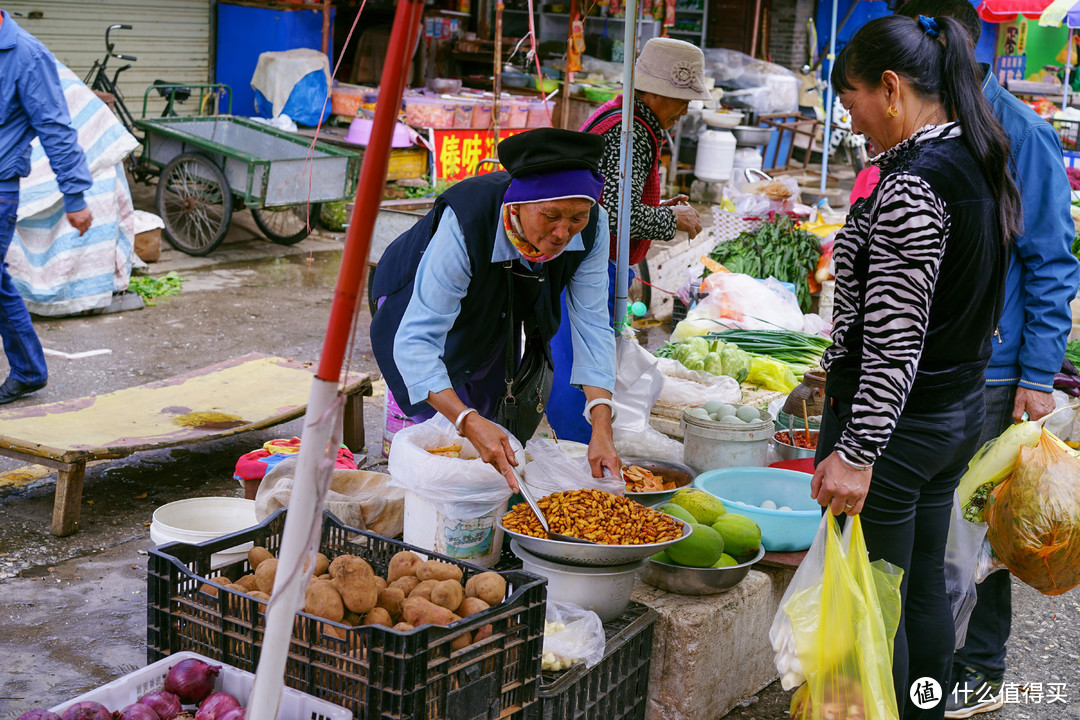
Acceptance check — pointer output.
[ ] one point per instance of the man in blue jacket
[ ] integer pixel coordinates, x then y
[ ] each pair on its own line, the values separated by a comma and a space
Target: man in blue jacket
1029, 344
31, 104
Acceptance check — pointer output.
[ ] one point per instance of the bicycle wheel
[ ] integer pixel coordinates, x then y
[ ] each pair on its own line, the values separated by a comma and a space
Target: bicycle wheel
194, 201
287, 225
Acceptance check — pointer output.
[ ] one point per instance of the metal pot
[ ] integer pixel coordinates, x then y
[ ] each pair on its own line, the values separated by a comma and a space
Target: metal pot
787, 451
748, 136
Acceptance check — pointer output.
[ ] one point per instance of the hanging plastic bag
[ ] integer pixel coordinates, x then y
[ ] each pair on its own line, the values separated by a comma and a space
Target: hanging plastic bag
962, 556
463, 487
1033, 518
552, 470
843, 618
572, 634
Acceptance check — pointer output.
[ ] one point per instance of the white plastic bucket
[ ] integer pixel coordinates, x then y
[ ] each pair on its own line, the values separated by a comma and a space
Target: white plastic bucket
197, 520
475, 540
715, 156
709, 445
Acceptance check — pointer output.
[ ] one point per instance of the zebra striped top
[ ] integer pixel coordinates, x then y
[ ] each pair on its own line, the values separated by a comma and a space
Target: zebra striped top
888, 262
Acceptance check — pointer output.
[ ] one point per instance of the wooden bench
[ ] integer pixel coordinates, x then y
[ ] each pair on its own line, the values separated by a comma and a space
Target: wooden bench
247, 393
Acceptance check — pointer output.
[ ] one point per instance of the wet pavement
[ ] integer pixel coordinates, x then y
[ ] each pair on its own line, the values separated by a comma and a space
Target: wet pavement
73, 609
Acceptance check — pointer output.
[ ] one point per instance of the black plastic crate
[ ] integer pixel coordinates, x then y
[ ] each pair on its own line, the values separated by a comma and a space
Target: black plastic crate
378, 673
616, 688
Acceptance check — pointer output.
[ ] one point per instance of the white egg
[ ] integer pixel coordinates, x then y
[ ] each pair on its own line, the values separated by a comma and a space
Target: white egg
726, 410
747, 413
768, 505
713, 406
784, 508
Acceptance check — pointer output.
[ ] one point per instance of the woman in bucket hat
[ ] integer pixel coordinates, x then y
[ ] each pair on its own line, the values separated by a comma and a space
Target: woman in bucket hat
668, 75
497, 248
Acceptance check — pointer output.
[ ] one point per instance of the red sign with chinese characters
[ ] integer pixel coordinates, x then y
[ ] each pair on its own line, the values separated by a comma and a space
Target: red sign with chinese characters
457, 152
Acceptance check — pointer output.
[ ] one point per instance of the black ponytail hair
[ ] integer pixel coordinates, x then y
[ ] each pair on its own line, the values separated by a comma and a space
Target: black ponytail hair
935, 57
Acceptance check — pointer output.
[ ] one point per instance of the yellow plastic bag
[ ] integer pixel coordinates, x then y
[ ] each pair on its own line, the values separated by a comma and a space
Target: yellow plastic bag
843, 628
771, 375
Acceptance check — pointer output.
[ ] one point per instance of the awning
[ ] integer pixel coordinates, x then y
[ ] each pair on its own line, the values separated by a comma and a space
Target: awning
1008, 10
1059, 11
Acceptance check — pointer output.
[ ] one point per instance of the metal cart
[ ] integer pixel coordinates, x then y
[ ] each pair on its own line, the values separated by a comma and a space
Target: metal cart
205, 164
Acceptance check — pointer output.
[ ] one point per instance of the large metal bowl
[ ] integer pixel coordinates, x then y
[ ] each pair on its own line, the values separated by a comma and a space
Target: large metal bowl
590, 555
697, 581
750, 136
681, 475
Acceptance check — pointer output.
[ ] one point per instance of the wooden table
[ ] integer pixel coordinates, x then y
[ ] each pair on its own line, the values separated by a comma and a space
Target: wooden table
246, 393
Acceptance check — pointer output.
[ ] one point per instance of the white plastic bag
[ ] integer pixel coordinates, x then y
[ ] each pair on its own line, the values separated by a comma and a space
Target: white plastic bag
736, 300
683, 386
552, 470
462, 488
781, 634
638, 382
572, 634
962, 551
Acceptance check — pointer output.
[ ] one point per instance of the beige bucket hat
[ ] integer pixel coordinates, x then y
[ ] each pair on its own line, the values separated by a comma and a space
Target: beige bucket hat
671, 68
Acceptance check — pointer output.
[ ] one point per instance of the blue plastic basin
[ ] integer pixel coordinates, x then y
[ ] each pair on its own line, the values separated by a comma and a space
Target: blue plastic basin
743, 489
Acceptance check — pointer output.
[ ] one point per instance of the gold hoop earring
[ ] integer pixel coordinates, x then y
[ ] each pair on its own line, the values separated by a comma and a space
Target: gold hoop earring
892, 112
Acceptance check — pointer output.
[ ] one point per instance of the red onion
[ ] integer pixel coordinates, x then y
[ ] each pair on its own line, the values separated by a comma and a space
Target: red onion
216, 706
237, 713
88, 710
39, 715
137, 711
191, 680
165, 704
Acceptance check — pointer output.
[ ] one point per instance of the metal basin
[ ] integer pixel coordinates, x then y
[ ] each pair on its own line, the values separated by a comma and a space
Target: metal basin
750, 136
681, 475
573, 553
698, 581
786, 451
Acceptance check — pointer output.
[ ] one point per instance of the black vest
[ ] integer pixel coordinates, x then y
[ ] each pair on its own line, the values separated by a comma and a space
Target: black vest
480, 329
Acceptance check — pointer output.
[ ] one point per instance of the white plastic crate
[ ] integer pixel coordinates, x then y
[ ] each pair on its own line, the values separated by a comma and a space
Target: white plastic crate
120, 693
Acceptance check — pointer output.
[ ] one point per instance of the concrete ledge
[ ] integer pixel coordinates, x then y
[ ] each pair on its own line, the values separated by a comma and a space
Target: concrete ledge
712, 652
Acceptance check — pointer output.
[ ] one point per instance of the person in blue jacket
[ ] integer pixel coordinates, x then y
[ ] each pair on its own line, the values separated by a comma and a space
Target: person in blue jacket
31, 104
497, 244
1028, 346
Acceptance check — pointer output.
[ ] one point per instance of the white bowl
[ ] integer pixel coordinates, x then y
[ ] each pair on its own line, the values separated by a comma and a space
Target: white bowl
604, 590
721, 118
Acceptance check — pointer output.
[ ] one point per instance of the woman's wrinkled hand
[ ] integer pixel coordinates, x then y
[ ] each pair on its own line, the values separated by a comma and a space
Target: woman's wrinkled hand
687, 220
603, 455
840, 487
493, 445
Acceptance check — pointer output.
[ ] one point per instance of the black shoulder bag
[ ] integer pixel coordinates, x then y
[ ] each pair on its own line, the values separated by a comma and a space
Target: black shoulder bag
528, 385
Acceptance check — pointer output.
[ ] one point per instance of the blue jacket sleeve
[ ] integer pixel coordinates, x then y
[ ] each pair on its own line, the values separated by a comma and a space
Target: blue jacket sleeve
591, 335
442, 279
1045, 249
43, 100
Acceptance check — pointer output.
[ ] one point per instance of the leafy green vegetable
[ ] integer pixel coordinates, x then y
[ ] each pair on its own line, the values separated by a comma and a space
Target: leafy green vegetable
799, 351
149, 288
777, 248
735, 362
713, 364
1072, 352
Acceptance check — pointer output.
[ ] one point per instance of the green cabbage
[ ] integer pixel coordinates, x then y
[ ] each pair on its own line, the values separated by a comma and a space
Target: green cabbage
735, 362
713, 364
699, 345
690, 358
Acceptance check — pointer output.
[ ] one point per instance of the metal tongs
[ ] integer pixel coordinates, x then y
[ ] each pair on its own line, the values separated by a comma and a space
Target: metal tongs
540, 514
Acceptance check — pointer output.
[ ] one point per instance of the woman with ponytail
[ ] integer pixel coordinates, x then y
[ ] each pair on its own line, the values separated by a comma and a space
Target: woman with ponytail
920, 267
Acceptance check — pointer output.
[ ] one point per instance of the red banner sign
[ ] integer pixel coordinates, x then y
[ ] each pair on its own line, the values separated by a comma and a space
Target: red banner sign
457, 152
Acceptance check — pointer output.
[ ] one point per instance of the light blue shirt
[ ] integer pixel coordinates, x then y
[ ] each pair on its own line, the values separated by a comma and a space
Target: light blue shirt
442, 279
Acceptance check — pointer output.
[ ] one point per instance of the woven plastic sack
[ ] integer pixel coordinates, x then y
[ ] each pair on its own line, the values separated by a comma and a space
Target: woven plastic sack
843, 627
1033, 518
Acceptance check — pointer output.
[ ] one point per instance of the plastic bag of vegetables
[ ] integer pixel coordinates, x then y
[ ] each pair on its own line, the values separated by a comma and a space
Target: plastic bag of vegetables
1033, 518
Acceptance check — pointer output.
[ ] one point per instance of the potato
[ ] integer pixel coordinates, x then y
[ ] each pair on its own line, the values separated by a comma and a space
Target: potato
236, 588
378, 616
323, 600
332, 630
381, 582
322, 564
471, 606
391, 599
461, 641
417, 611
402, 564
355, 581
256, 555
351, 619
448, 594
483, 633
435, 570
264, 575
424, 589
260, 595
403, 626
326, 576
488, 586
248, 581
337, 562
209, 588
407, 584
